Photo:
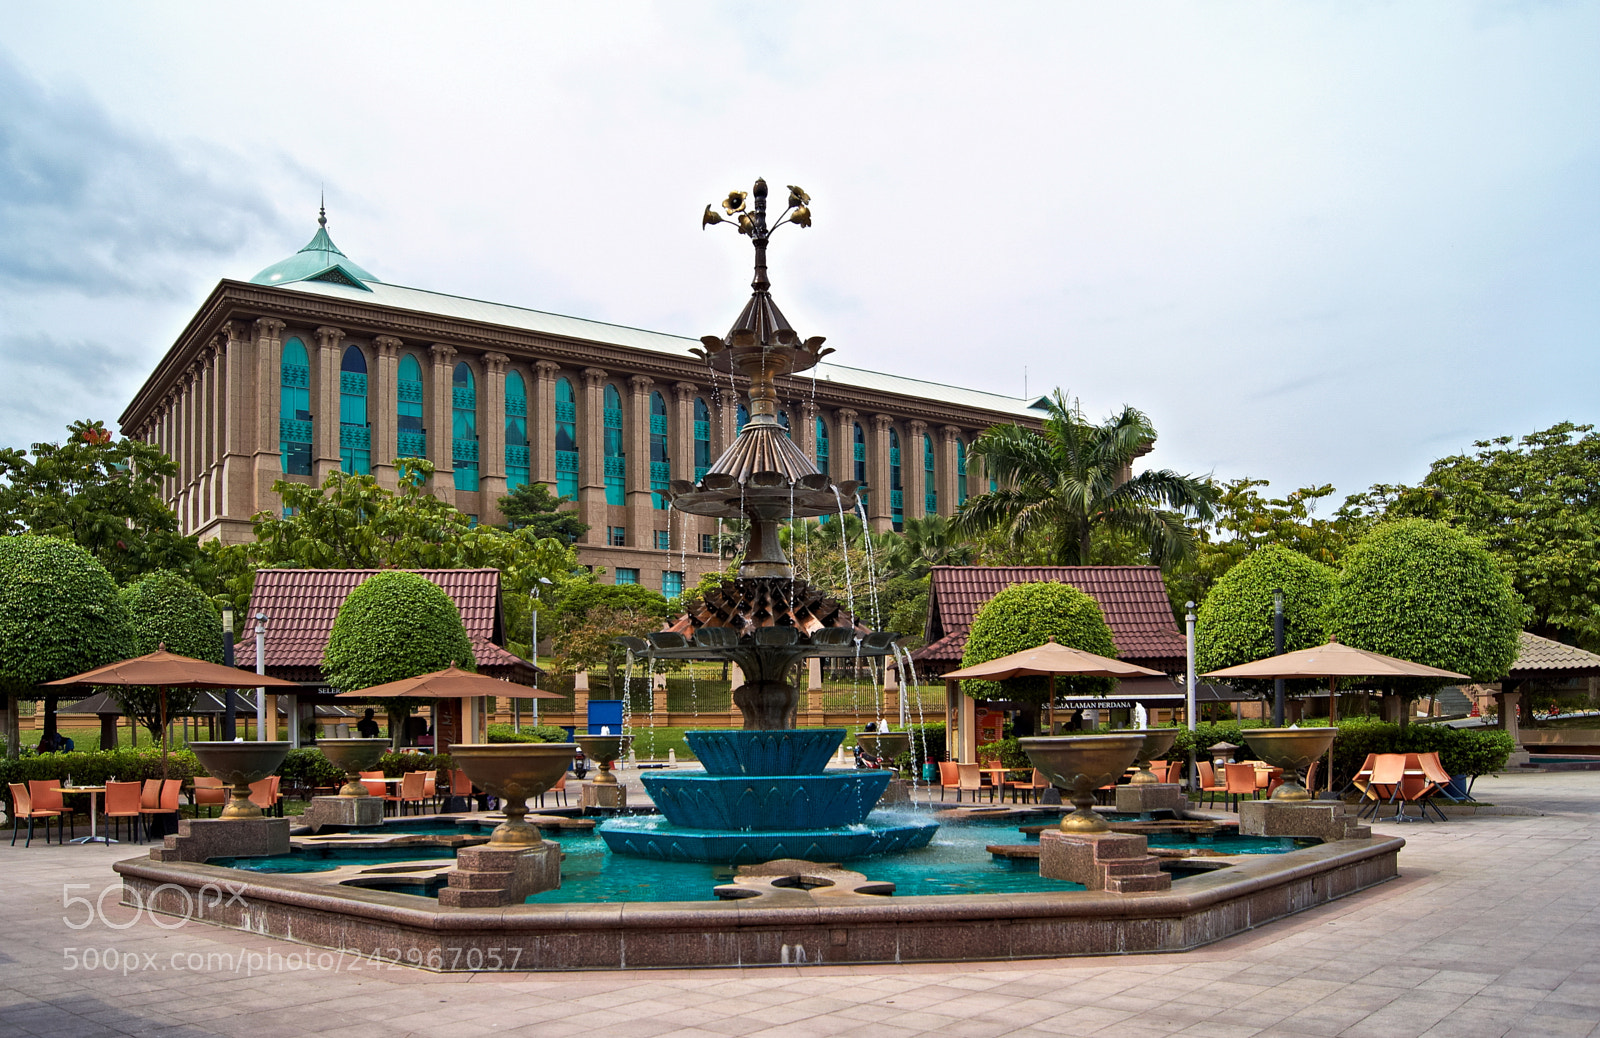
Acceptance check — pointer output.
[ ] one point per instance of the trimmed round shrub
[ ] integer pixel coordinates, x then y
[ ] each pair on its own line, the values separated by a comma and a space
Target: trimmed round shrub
1024, 616
1425, 592
60, 614
394, 625
163, 608
1234, 624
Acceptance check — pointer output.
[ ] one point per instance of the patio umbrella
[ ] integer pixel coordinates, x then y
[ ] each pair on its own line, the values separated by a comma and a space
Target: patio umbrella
449, 683
1333, 661
163, 670
1051, 660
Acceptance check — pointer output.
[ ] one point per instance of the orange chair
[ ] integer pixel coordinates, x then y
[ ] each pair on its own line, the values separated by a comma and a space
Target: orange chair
376, 787
1383, 784
411, 785
122, 801
1311, 776
167, 793
1439, 780
949, 778
1031, 789
1418, 786
1209, 786
264, 794
430, 787
1268, 779
22, 807
558, 790
207, 792
1239, 780
46, 794
150, 795
1362, 777
969, 780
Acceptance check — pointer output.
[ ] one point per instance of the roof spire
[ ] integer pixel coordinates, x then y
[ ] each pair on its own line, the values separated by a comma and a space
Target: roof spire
322, 209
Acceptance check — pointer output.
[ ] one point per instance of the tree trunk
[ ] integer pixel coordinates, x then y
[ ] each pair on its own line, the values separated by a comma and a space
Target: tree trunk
50, 717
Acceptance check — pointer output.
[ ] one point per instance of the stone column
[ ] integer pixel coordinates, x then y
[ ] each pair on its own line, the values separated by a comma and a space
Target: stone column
325, 404
592, 463
686, 528
914, 475
383, 408
636, 442
239, 392
542, 424
842, 451
949, 497
268, 454
492, 436
878, 472
805, 430
440, 427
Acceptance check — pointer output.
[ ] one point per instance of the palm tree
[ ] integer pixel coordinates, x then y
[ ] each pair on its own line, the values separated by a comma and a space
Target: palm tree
1074, 477
925, 543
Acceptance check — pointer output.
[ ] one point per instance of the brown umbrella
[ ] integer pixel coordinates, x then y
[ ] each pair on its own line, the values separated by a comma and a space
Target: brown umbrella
163, 670
1051, 660
450, 683
1333, 661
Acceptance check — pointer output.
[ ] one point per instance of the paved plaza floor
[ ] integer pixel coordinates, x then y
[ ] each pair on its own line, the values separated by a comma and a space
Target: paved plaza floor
1493, 928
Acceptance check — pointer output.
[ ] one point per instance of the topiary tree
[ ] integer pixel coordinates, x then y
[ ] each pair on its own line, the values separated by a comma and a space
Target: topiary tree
395, 625
1027, 615
59, 616
1422, 591
1234, 624
164, 608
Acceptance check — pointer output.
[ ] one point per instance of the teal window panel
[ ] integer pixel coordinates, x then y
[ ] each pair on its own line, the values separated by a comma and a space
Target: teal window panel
567, 461
700, 472
616, 468
296, 376
292, 431
627, 575
672, 583
517, 405
658, 424
408, 392
356, 436
412, 444
930, 502
702, 431
353, 383
516, 456
613, 419
464, 450
567, 412
663, 540
463, 397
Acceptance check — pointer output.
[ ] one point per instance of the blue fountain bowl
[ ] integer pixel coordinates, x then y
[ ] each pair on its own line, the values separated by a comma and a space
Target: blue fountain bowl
733, 751
654, 837
766, 802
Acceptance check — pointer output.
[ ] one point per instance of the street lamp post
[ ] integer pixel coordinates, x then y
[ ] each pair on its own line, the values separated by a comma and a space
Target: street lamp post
1189, 703
1277, 650
533, 649
261, 668
230, 705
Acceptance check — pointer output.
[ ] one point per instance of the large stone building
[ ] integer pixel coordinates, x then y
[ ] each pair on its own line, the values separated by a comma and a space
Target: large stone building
314, 365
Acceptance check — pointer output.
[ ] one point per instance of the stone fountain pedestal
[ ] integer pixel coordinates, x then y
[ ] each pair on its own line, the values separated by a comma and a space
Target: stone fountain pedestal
1153, 796
898, 791
489, 877
1322, 819
198, 839
603, 796
354, 812
1117, 863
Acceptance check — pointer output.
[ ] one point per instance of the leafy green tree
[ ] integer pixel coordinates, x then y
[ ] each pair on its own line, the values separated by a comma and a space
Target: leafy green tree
99, 492
395, 625
532, 507
59, 616
163, 608
925, 543
1235, 622
1073, 479
1425, 592
1535, 503
579, 597
587, 641
1023, 616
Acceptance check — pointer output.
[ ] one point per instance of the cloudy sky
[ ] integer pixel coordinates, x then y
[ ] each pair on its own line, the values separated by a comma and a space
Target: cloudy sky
1316, 242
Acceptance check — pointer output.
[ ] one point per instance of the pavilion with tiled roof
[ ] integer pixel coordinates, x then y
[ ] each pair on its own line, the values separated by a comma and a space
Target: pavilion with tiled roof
300, 605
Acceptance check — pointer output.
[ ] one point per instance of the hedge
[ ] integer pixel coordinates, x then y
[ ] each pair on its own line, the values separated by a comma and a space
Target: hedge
529, 733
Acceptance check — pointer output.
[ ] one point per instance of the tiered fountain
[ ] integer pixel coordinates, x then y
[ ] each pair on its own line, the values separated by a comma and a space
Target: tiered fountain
765, 794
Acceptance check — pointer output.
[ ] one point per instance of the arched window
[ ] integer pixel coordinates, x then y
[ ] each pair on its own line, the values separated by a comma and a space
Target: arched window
355, 436
660, 462
961, 471
464, 427
822, 447
616, 461
860, 467
702, 439
897, 494
566, 440
411, 439
783, 420
516, 431
741, 418
930, 485
294, 409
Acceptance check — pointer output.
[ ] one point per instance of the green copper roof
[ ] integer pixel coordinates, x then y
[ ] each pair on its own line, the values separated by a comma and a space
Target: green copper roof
320, 260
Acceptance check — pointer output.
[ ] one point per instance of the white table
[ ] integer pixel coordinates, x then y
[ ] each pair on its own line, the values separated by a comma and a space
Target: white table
94, 794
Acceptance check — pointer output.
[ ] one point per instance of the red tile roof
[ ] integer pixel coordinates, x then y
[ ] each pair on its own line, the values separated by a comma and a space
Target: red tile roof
1133, 599
301, 604
1543, 655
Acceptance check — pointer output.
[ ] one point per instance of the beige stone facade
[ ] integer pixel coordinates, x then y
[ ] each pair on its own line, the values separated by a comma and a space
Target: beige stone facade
216, 404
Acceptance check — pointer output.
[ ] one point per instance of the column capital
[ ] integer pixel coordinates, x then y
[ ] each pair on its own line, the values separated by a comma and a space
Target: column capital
641, 383
594, 377
442, 353
328, 337
949, 433
684, 391
882, 422
496, 363
917, 427
388, 346
847, 414
269, 327
546, 370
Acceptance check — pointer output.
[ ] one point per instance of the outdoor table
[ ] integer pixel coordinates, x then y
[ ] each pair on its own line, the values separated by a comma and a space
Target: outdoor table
94, 793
